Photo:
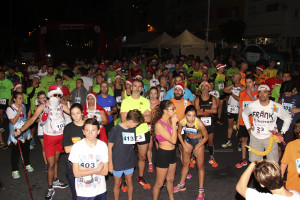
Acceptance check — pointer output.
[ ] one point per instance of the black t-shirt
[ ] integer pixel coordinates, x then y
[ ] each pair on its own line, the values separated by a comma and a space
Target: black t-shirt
122, 152
72, 134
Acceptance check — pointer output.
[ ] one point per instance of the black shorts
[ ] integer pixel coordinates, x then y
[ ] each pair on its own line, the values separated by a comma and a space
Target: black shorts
108, 127
164, 158
4, 106
147, 139
222, 97
234, 116
243, 132
210, 129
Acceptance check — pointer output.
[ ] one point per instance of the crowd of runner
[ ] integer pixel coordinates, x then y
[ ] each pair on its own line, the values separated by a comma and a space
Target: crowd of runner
97, 113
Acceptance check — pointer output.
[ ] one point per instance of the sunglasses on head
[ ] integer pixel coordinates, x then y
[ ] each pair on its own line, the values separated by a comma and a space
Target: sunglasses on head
57, 95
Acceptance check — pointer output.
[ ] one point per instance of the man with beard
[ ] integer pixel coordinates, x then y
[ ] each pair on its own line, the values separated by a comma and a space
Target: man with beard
179, 102
53, 123
187, 93
49, 79
265, 113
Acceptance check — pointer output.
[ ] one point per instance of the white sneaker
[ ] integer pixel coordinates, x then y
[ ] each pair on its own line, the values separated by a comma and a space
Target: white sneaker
29, 168
15, 174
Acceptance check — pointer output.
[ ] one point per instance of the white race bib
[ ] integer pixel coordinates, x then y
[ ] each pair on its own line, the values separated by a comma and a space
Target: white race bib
221, 86
107, 109
2, 101
245, 104
140, 138
59, 126
206, 121
232, 109
287, 106
77, 99
261, 130
128, 138
118, 99
109, 80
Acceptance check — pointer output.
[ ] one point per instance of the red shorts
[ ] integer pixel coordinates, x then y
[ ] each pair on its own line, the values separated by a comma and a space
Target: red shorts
53, 144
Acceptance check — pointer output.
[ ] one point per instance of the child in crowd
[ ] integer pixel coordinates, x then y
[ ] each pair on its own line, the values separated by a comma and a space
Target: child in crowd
121, 152
268, 175
89, 158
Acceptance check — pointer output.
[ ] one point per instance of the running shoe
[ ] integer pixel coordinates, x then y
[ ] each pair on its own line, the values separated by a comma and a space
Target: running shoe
150, 168
3, 145
192, 163
220, 122
227, 144
213, 162
189, 176
234, 127
29, 168
124, 187
15, 174
241, 164
179, 187
143, 183
49, 194
59, 184
201, 195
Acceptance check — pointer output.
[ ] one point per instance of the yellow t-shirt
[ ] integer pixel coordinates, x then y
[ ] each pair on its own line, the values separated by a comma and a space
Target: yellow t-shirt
270, 72
142, 104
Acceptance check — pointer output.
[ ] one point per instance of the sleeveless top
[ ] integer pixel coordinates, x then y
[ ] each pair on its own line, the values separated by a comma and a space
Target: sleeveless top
205, 104
118, 95
53, 121
192, 130
21, 121
233, 104
159, 137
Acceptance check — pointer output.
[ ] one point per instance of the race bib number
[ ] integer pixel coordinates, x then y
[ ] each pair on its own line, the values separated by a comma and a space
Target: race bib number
75, 139
221, 86
2, 101
107, 109
118, 99
140, 138
298, 165
206, 121
77, 99
261, 130
245, 104
128, 138
59, 126
232, 109
109, 80
287, 106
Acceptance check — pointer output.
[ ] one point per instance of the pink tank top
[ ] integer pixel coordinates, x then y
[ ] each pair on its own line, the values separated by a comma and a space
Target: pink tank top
159, 137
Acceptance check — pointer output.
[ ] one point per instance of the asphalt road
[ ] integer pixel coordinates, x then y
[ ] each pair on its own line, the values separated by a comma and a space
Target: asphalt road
219, 182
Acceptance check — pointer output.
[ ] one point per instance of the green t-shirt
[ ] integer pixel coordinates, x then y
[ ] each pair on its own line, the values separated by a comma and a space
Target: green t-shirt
47, 81
276, 92
110, 77
5, 89
213, 70
142, 104
76, 77
197, 76
190, 69
32, 100
220, 83
230, 72
71, 84
147, 83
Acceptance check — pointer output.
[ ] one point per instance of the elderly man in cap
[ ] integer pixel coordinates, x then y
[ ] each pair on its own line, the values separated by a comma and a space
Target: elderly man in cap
265, 113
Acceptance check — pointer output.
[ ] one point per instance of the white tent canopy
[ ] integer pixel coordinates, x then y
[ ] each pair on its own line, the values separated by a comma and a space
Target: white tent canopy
190, 45
157, 42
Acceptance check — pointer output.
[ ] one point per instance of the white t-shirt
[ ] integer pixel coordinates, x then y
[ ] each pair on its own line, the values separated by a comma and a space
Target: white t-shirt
265, 117
10, 113
233, 104
215, 93
87, 82
33, 69
81, 153
154, 82
252, 194
41, 74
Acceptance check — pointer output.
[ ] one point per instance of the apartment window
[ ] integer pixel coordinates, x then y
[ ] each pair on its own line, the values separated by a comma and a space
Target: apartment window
272, 7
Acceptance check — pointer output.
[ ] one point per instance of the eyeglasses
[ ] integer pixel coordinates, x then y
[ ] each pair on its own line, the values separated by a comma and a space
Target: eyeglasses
57, 95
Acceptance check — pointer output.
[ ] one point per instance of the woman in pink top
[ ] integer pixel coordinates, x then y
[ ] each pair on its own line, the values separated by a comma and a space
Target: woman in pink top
164, 127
